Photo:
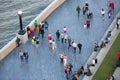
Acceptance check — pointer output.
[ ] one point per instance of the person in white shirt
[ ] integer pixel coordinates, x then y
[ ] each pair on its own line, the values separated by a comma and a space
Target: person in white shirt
74, 45
65, 60
53, 45
21, 55
65, 37
62, 37
102, 12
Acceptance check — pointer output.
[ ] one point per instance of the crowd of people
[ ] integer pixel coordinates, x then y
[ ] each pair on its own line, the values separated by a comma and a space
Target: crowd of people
65, 38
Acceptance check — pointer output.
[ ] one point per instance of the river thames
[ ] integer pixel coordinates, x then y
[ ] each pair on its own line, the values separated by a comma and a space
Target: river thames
9, 21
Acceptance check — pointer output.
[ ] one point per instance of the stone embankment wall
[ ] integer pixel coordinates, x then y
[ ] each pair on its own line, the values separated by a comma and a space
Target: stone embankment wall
43, 15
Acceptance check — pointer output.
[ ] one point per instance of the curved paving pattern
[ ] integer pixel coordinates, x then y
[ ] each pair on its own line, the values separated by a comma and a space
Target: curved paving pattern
44, 63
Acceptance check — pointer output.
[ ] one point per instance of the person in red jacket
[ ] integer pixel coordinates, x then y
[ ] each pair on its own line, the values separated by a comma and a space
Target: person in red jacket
119, 55
112, 5
88, 23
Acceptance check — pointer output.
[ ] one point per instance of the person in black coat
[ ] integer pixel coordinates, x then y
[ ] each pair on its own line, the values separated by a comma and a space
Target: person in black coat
25, 54
58, 35
42, 33
79, 47
18, 42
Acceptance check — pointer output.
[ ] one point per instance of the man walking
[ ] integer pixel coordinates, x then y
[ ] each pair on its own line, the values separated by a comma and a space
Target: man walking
74, 46
88, 23
58, 35
21, 55
69, 42
78, 9
42, 33
25, 54
79, 47
62, 38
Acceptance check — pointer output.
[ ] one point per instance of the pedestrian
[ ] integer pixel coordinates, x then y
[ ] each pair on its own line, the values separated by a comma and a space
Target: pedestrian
38, 30
119, 55
87, 70
21, 55
64, 29
85, 26
53, 44
70, 66
28, 29
96, 47
58, 35
107, 40
118, 22
50, 44
112, 5
37, 42
111, 78
78, 9
65, 60
74, 45
102, 45
18, 42
89, 14
86, 6
62, 37
108, 4
69, 42
75, 76
65, 37
36, 23
30, 33
46, 25
88, 23
42, 33
33, 40
93, 62
109, 13
49, 36
80, 70
26, 56
42, 25
83, 9
103, 13
67, 73
61, 57
50, 40
79, 47
108, 34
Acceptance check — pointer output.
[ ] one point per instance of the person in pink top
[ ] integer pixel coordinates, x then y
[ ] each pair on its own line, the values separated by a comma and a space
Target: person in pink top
50, 40
49, 36
64, 30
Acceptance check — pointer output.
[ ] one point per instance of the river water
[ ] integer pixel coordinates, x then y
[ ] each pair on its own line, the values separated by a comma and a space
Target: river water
9, 21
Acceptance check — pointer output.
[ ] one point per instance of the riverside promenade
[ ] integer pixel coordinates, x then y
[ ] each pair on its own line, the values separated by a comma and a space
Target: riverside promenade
43, 63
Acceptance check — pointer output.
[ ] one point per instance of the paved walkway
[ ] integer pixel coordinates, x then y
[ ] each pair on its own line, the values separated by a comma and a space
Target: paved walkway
43, 62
